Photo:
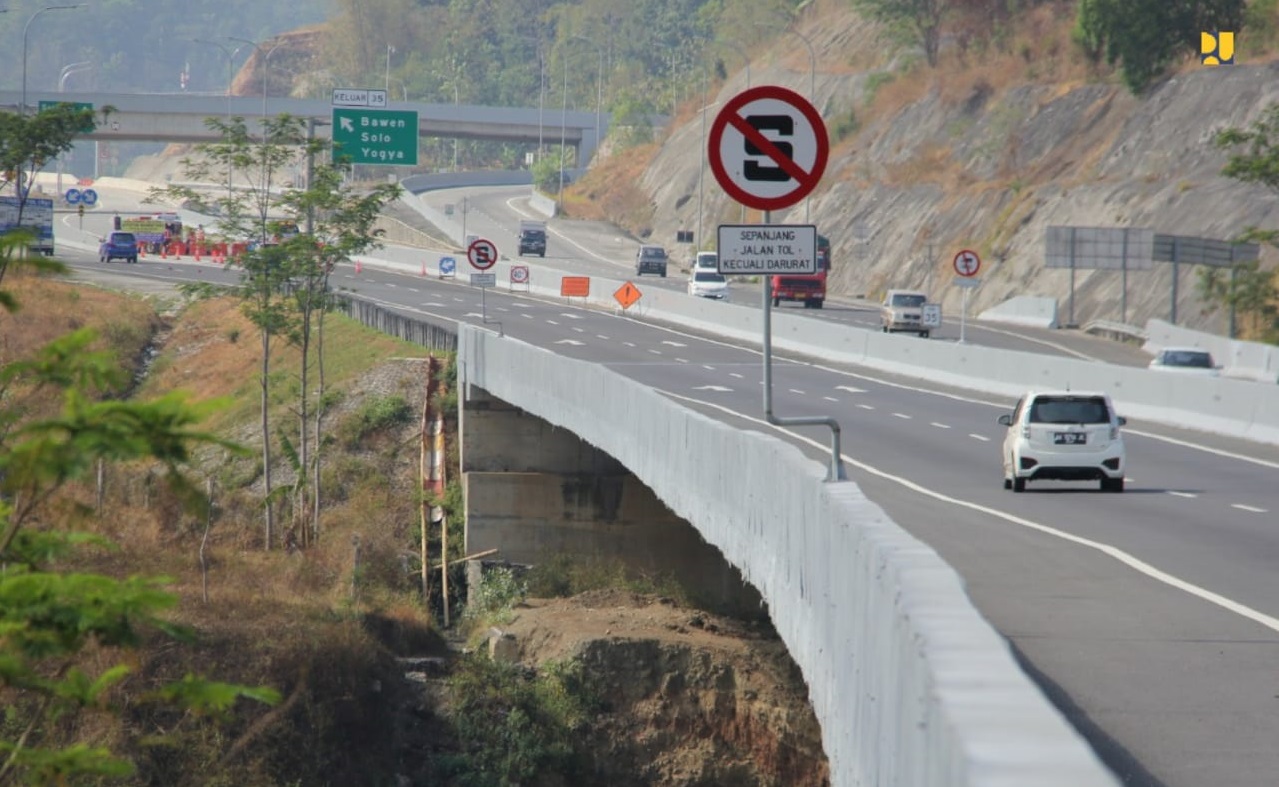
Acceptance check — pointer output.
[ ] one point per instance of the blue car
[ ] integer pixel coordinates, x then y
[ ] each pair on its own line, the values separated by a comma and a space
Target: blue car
119, 246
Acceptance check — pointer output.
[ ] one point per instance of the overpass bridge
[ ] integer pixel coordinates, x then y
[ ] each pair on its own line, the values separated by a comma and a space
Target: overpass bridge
180, 117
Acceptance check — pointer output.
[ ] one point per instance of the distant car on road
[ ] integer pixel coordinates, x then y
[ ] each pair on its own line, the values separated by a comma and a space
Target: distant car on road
1064, 436
903, 310
708, 284
706, 261
119, 246
651, 259
1186, 360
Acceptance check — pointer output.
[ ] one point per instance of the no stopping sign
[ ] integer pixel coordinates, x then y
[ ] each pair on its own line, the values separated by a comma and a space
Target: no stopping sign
768, 147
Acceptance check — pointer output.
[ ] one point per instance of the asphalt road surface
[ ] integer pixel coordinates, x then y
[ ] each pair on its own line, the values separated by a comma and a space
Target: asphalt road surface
1150, 618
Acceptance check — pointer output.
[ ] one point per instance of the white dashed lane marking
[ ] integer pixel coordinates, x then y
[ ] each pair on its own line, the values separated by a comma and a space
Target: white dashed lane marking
830, 398
983, 438
939, 426
865, 407
1175, 493
1250, 509
902, 416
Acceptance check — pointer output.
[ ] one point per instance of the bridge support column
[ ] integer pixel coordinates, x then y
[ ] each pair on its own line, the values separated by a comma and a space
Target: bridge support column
536, 492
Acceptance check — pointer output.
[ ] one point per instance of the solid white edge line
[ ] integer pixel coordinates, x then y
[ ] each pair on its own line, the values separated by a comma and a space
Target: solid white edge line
1122, 556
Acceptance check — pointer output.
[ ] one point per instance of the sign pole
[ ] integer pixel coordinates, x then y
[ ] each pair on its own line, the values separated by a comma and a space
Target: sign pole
963, 318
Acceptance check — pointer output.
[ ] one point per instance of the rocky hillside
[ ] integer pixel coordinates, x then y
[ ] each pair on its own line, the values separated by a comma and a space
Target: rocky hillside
986, 152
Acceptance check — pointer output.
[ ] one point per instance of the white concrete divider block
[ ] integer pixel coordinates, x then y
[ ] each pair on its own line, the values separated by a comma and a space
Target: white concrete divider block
912, 688
542, 203
1031, 310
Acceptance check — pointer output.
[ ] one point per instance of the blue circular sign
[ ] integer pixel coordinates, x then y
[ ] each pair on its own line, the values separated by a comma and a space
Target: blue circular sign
73, 196
448, 266
89, 197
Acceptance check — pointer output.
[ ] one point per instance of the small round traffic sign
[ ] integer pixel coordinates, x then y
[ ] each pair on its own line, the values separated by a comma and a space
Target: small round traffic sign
768, 147
519, 274
448, 266
89, 197
482, 254
73, 196
967, 263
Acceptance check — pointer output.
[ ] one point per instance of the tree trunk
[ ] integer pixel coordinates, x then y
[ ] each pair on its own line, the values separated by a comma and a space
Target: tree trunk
319, 419
303, 464
269, 538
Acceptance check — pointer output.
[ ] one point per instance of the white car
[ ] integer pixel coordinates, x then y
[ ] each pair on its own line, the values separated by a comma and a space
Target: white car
706, 261
708, 284
1064, 436
1186, 360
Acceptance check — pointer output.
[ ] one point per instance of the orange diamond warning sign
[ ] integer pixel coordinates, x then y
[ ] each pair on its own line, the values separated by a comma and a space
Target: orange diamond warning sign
627, 295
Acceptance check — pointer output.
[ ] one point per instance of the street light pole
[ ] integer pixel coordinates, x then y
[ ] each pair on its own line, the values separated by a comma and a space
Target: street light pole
390, 50
22, 107
266, 62
559, 195
67, 71
599, 86
230, 58
812, 82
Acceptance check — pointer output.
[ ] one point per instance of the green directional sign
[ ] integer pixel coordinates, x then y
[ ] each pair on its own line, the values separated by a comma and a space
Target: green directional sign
73, 104
375, 136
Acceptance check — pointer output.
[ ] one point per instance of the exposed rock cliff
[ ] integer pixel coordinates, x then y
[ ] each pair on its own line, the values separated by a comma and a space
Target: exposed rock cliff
981, 154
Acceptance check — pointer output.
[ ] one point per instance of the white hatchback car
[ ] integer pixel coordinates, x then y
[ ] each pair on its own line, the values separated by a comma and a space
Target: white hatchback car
1064, 436
708, 284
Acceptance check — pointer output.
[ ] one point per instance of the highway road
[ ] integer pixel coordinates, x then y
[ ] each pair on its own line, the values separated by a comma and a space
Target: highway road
1151, 618
600, 249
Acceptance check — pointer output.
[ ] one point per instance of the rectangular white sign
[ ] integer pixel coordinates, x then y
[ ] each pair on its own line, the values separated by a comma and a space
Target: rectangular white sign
931, 316
969, 282
348, 97
751, 249
483, 279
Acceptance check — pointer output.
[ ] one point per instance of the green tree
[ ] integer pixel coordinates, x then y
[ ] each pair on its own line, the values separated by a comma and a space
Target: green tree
1144, 37
1254, 158
27, 143
50, 618
915, 21
285, 282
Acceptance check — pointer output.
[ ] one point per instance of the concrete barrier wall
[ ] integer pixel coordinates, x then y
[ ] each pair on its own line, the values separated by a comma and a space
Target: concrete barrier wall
1234, 407
911, 686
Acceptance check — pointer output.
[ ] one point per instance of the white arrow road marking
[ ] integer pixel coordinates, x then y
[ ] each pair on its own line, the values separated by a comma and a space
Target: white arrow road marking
1175, 493
712, 388
573, 342
1251, 509
979, 437
673, 344
850, 389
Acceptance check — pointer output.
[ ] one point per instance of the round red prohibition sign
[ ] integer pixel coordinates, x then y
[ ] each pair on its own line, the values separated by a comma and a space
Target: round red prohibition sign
967, 263
768, 147
482, 254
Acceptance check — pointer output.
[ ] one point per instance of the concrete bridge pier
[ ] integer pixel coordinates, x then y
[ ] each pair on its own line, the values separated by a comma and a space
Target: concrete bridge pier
534, 492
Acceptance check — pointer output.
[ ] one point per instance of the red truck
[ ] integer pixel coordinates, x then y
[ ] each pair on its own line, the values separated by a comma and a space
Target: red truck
807, 287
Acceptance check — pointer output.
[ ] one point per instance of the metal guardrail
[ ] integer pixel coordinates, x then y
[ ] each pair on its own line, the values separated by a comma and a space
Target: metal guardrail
1119, 329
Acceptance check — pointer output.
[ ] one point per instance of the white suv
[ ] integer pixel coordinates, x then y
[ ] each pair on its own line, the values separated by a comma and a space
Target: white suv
1064, 436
